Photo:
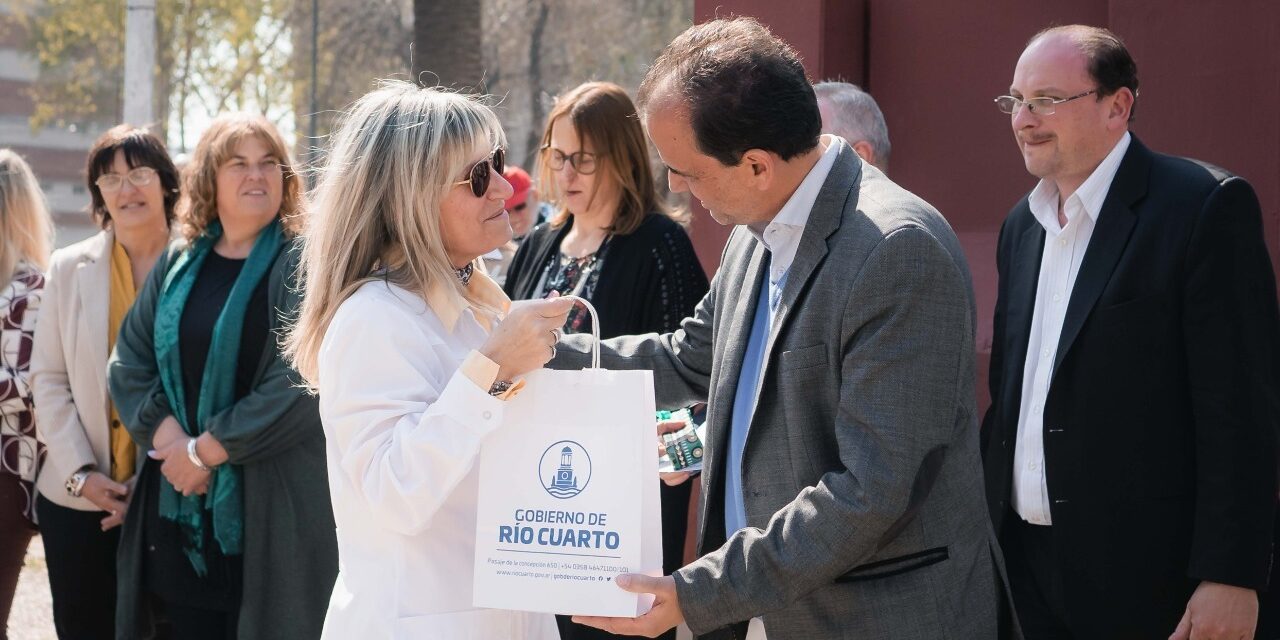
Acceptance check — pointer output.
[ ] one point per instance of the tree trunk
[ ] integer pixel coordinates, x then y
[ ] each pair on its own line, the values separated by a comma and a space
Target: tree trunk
447, 43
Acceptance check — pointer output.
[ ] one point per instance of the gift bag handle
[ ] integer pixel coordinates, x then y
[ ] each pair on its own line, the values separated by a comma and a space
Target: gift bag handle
595, 330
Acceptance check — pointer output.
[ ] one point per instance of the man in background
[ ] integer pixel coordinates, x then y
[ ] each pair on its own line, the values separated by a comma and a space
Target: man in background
1129, 448
851, 113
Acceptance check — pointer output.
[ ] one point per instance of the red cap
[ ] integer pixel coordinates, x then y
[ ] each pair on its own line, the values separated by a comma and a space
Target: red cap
520, 181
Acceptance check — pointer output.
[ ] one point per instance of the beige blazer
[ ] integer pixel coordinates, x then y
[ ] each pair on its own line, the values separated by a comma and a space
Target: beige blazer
69, 366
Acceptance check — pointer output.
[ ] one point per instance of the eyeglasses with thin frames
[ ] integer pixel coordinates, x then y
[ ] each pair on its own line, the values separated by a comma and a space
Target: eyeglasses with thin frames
584, 162
138, 177
1044, 106
481, 172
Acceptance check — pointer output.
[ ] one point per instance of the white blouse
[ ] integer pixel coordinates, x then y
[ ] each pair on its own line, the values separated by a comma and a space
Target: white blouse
404, 426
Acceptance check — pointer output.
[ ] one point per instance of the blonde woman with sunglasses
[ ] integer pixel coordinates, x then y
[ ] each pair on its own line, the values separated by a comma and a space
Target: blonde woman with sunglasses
413, 351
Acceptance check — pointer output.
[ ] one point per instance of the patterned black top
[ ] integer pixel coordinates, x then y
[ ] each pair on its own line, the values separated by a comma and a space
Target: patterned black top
645, 281
577, 277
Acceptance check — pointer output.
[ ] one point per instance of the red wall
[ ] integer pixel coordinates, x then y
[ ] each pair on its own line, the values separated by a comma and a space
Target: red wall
1210, 89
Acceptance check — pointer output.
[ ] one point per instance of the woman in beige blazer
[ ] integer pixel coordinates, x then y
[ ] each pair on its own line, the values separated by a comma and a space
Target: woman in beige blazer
86, 480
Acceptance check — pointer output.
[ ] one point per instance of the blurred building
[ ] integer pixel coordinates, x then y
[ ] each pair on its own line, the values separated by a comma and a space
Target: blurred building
56, 153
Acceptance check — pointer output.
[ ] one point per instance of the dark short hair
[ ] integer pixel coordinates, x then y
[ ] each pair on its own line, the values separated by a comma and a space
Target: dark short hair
141, 149
744, 88
1109, 62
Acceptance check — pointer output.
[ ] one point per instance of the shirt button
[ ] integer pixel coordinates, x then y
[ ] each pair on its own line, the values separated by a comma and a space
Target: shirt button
1034, 466
1063, 242
1057, 297
1039, 409
1044, 354
487, 415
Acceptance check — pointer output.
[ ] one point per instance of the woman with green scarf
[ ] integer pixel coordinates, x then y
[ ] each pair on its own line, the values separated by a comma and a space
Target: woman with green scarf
231, 534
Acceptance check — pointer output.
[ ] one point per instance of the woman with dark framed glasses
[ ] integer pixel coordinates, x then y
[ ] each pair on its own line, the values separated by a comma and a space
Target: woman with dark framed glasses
86, 483
613, 242
413, 352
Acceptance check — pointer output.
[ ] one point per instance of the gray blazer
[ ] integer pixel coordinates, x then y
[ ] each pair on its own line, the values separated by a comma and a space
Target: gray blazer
861, 474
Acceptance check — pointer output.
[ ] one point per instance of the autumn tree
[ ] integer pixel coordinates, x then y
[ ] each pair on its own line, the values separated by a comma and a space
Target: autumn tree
535, 49
356, 43
212, 56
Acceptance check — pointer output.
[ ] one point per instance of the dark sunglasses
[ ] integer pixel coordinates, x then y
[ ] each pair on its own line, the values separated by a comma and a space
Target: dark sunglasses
482, 171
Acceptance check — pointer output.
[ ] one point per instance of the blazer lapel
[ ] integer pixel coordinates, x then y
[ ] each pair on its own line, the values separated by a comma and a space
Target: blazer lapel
1024, 276
735, 346
1110, 237
93, 276
833, 200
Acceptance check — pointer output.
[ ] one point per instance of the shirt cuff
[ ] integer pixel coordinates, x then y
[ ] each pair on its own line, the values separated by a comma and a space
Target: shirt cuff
484, 372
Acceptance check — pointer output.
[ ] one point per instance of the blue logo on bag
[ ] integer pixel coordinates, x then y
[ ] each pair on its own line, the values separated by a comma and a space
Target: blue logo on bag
565, 469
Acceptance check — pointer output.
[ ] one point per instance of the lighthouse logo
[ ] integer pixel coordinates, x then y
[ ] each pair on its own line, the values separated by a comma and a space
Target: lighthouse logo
565, 469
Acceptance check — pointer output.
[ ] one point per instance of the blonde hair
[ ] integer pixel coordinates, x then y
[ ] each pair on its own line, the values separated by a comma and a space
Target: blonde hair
393, 157
26, 229
603, 113
198, 205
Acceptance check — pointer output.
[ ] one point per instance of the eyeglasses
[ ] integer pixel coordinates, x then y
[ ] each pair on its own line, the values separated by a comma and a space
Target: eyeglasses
581, 161
138, 177
1038, 106
482, 171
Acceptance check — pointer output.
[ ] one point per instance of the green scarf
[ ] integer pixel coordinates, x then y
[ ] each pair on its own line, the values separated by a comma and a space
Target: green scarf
223, 502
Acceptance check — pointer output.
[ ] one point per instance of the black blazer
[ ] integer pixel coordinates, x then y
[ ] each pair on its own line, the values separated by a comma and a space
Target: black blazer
1159, 424
650, 281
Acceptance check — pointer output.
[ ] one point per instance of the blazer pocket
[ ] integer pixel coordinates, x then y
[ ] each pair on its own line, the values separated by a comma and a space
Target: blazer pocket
1147, 310
895, 566
804, 357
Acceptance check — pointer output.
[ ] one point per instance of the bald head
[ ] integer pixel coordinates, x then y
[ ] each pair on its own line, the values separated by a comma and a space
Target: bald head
1065, 139
1104, 56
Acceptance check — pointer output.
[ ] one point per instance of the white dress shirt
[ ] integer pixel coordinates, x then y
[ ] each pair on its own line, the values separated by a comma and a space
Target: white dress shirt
1064, 250
404, 420
782, 235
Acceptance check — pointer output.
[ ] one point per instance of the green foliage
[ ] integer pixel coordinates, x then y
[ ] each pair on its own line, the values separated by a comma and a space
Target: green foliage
211, 56
77, 44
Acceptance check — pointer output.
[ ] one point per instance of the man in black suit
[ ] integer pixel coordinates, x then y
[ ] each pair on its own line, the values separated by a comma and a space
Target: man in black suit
1129, 449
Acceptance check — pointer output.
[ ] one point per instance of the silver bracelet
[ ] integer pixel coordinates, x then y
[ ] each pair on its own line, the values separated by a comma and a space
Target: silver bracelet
195, 457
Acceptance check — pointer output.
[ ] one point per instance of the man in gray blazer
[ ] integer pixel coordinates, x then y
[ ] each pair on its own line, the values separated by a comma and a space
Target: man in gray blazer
842, 485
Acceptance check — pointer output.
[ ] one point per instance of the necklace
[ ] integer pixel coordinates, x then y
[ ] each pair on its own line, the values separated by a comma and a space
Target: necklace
464, 274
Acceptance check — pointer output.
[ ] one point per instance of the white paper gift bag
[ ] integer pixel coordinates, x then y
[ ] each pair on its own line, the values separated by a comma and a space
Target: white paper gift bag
569, 494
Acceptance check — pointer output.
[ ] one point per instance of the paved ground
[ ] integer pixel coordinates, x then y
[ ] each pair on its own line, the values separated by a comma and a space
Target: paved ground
32, 615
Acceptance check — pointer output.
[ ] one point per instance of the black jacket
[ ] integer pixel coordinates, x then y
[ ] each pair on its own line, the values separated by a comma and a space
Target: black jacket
1159, 421
650, 281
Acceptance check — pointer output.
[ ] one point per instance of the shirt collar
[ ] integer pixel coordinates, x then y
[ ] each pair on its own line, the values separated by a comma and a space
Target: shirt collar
1091, 194
449, 306
782, 235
